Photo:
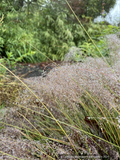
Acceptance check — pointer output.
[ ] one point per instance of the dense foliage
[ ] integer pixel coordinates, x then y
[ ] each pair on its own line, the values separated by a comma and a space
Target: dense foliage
37, 30
96, 6
89, 8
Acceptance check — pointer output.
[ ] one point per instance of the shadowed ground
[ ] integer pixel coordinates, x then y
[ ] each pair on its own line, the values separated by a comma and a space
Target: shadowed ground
26, 70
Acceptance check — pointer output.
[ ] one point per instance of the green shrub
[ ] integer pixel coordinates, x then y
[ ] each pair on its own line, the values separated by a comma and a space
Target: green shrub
90, 50
49, 33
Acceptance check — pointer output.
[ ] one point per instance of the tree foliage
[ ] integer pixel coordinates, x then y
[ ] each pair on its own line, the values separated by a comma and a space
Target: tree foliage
91, 8
46, 26
95, 7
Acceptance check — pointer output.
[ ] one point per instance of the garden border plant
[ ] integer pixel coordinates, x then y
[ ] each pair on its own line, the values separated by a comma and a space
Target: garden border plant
77, 128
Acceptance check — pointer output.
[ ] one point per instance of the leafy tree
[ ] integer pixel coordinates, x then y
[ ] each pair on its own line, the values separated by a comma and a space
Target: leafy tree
95, 7
18, 4
49, 27
91, 8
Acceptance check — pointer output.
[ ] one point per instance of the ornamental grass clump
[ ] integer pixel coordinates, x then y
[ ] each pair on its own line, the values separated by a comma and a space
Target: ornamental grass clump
70, 81
84, 99
73, 92
73, 111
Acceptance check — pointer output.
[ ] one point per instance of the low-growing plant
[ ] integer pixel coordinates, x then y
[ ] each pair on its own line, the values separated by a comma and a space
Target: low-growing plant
90, 50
